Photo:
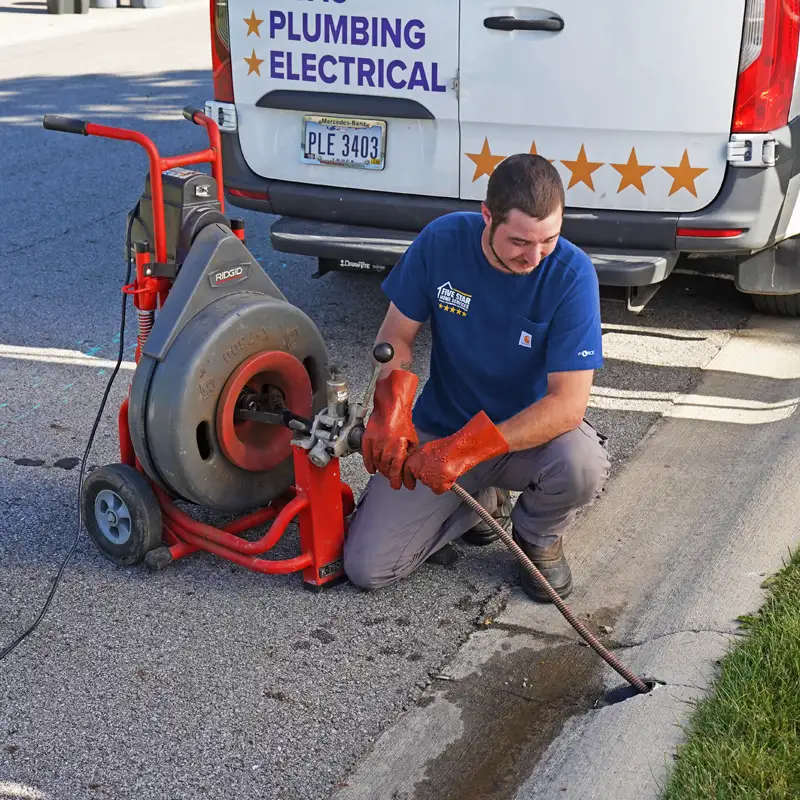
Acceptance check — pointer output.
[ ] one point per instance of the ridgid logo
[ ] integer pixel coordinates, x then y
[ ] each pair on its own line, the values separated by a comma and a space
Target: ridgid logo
453, 301
222, 277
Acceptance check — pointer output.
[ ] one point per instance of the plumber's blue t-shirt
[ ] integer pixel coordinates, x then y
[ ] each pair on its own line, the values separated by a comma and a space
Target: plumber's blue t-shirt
495, 336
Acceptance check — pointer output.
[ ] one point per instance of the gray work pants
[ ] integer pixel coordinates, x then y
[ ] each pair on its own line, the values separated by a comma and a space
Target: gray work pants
393, 531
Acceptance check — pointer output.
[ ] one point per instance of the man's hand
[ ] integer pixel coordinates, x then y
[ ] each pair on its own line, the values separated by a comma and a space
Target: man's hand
390, 432
438, 464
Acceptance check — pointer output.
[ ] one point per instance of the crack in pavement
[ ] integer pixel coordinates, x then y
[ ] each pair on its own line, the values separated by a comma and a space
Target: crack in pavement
52, 237
639, 643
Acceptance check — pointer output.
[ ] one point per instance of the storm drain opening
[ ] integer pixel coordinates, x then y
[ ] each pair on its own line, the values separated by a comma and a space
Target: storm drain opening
625, 692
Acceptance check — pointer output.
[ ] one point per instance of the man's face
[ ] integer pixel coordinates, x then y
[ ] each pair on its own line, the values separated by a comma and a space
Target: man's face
521, 242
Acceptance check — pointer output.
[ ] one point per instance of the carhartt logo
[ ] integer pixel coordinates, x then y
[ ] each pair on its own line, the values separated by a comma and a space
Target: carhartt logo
226, 276
524, 339
453, 301
586, 353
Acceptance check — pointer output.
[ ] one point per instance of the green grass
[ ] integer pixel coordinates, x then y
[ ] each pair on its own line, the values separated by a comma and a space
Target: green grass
743, 741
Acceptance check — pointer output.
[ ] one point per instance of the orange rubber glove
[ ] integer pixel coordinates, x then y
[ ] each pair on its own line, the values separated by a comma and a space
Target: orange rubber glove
438, 464
390, 433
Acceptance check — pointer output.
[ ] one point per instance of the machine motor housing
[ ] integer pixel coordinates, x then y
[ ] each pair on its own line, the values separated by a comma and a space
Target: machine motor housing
190, 203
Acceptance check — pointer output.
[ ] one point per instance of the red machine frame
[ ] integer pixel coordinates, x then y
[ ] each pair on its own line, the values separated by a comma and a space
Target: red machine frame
319, 499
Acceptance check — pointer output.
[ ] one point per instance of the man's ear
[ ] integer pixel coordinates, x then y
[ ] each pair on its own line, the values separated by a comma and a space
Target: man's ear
486, 214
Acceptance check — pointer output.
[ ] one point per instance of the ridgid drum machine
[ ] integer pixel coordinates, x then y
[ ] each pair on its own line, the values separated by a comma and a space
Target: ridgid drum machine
232, 406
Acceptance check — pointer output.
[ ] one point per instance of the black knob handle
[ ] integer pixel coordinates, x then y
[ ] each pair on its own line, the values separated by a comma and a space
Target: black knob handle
189, 113
55, 122
383, 353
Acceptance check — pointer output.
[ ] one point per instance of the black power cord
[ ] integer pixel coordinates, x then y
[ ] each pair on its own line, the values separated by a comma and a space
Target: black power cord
6, 650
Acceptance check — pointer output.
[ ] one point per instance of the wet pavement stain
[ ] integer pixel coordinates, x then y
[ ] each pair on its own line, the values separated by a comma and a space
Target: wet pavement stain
511, 709
29, 462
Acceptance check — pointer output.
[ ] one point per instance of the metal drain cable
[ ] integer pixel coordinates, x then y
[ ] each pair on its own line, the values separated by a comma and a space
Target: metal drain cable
585, 633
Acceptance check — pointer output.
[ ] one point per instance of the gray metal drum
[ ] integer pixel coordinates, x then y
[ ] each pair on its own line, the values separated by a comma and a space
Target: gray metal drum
175, 402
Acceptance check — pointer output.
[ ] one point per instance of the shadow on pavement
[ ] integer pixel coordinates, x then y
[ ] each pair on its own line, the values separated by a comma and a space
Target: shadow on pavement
35, 8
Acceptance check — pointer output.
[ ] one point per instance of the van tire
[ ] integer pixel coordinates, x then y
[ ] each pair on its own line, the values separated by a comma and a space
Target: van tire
786, 305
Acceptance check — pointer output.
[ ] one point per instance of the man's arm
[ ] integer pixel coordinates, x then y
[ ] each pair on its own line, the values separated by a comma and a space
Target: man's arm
562, 409
401, 332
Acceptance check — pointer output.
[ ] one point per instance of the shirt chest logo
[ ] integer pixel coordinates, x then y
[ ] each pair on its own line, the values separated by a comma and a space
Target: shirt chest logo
525, 339
452, 300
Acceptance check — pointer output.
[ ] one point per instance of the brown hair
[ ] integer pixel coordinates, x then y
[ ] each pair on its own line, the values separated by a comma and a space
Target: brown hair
526, 182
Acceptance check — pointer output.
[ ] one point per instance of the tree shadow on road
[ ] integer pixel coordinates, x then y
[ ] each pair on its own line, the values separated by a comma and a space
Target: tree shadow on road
24, 8
105, 98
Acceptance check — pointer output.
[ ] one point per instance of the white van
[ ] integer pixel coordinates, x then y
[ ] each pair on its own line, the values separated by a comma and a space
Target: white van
674, 126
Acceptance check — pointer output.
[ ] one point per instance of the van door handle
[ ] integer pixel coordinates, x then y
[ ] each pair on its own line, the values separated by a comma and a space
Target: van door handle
554, 24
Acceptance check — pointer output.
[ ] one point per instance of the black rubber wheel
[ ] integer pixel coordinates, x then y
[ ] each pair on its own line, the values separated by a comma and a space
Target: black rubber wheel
785, 305
121, 513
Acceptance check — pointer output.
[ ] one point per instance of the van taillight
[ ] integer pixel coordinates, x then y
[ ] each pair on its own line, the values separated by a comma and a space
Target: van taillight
221, 52
766, 65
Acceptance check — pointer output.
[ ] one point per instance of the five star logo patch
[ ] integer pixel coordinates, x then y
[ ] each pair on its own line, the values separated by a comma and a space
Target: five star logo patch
452, 300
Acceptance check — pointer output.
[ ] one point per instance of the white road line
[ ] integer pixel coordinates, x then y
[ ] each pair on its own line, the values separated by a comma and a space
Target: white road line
53, 355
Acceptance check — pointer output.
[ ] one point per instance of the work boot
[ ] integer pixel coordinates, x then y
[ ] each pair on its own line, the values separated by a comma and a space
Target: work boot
550, 561
481, 534
445, 556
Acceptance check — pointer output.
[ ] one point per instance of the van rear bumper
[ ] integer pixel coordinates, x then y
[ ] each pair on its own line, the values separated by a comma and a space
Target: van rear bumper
383, 247
332, 222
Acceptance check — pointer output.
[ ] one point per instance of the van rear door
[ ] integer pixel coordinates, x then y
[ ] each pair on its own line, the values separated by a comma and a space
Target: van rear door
357, 94
632, 100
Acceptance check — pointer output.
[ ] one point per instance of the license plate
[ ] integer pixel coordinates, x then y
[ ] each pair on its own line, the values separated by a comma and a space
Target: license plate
343, 142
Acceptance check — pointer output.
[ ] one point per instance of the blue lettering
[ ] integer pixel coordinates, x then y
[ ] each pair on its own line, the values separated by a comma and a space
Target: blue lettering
389, 32
307, 35
435, 85
331, 137
320, 67
292, 76
334, 30
416, 41
359, 30
381, 73
293, 37
277, 22
366, 72
348, 62
309, 61
390, 74
276, 64
418, 77
313, 141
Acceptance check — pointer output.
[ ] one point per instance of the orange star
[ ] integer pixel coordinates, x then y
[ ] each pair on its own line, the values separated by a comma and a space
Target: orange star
632, 172
252, 24
254, 63
582, 169
684, 175
485, 162
534, 153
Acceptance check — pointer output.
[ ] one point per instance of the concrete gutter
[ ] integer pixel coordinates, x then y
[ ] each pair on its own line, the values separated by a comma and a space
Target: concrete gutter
664, 564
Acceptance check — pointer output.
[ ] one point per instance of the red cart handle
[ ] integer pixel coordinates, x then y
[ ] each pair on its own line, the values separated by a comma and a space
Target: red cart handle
212, 155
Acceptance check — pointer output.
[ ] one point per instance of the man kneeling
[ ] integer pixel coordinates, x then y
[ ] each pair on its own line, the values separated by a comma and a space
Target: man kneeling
514, 311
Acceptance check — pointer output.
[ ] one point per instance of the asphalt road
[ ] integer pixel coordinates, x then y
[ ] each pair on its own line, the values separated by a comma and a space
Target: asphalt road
206, 680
